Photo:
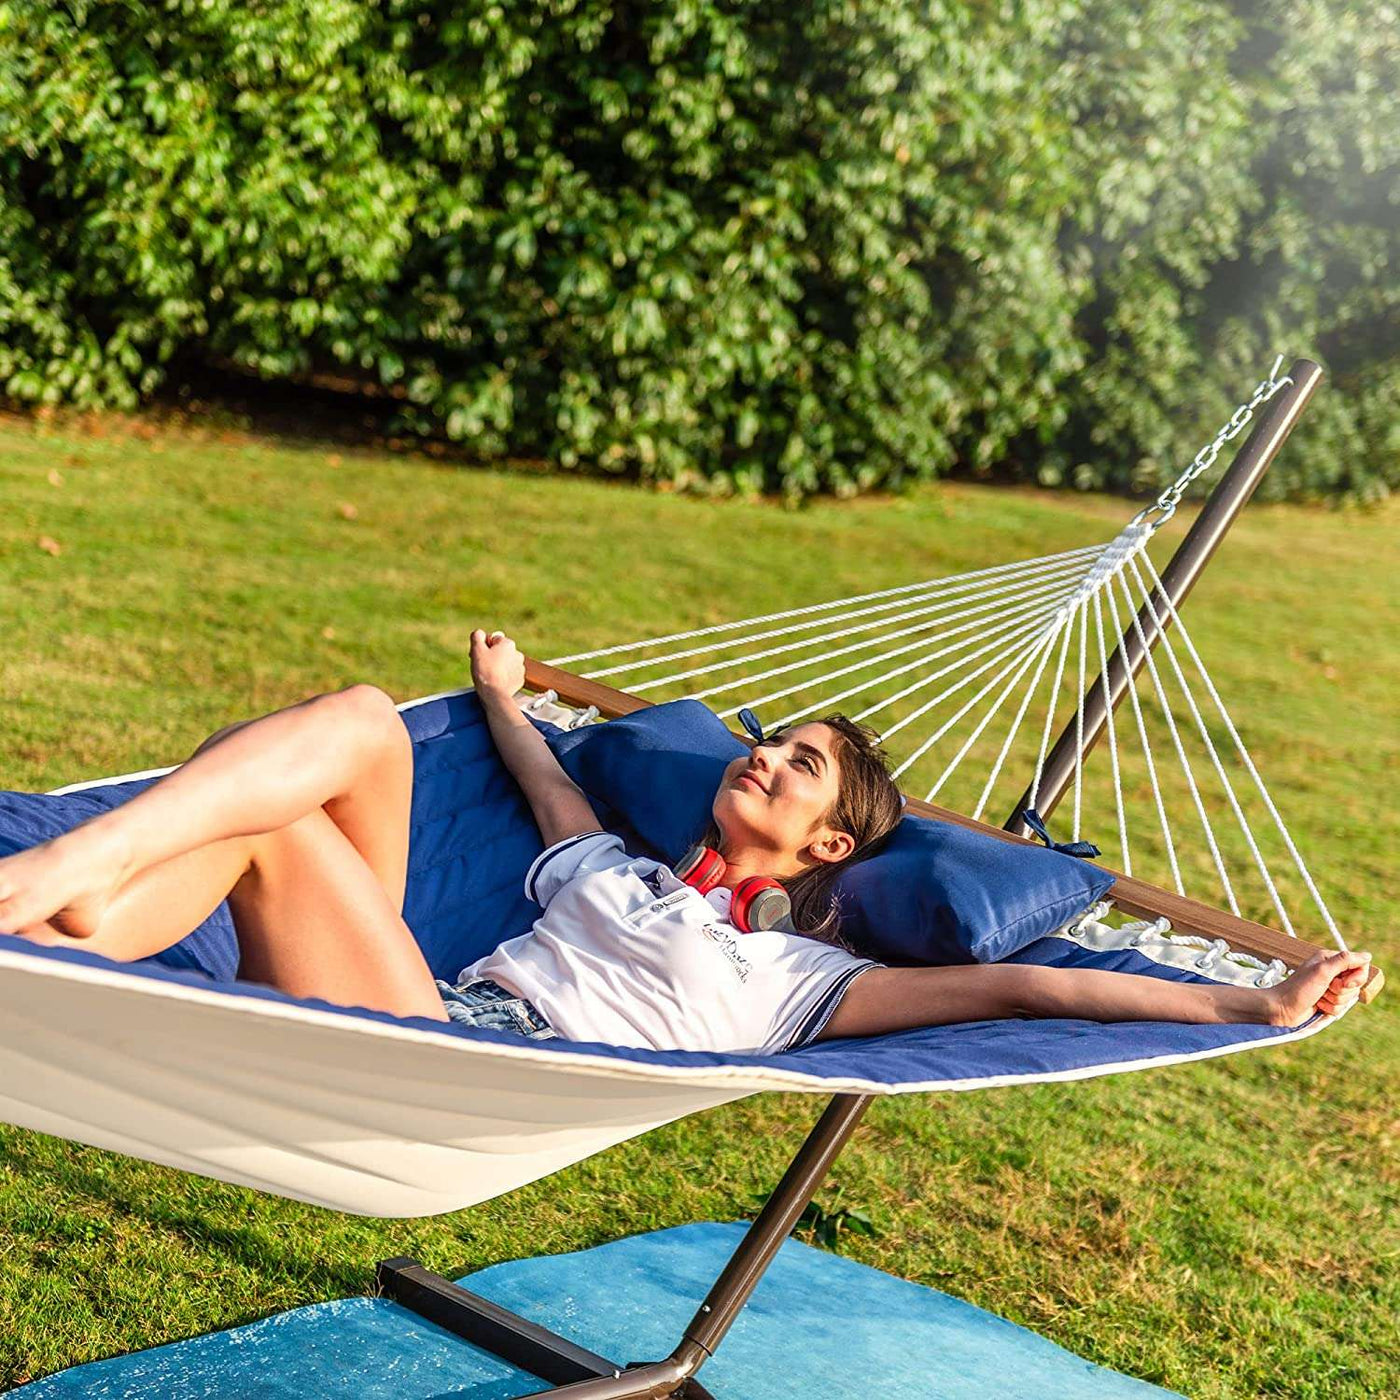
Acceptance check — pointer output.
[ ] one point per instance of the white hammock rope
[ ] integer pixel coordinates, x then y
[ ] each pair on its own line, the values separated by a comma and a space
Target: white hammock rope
1169, 650
993, 632
1111, 726
1022, 621
1079, 725
1017, 632
816, 607
1030, 601
1012, 732
1031, 577
1050, 710
1175, 733
1025, 638
1248, 762
1149, 761
1031, 652
1156, 939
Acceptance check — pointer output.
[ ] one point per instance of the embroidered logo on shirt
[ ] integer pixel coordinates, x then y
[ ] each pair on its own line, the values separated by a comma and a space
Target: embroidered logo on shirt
729, 946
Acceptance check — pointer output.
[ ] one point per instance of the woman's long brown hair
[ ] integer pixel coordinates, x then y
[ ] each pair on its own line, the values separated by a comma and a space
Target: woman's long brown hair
867, 808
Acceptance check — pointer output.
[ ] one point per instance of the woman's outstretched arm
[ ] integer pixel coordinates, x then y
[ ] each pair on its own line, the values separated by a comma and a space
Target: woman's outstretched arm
898, 998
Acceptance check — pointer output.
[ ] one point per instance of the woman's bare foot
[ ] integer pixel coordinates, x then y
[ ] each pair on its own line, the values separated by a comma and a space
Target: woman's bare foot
67, 881
1328, 983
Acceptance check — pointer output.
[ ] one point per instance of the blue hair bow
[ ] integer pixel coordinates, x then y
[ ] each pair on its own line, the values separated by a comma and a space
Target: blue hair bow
750, 722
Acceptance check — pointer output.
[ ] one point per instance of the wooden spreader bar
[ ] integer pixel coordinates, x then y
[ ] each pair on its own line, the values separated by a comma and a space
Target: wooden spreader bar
1133, 896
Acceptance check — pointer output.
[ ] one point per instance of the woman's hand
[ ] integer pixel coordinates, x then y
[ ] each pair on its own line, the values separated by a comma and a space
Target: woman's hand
1328, 983
498, 669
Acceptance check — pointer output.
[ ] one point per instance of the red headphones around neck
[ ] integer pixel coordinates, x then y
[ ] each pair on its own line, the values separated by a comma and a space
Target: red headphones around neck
757, 902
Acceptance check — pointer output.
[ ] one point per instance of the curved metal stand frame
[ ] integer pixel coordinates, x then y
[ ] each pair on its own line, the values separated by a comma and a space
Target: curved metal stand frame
583, 1375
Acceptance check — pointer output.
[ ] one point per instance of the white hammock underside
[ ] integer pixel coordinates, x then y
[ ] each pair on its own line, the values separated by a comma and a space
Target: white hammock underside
362, 1116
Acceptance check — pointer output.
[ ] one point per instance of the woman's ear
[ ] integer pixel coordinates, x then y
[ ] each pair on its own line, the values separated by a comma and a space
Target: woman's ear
834, 846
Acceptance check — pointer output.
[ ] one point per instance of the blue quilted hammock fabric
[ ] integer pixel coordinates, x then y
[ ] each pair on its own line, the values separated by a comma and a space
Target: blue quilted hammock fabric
472, 839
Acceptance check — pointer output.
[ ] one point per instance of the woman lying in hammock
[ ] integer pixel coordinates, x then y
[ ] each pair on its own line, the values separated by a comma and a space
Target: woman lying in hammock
300, 819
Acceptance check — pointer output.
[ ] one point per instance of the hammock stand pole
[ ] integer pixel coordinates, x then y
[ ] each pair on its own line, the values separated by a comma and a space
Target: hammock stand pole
1276, 421
583, 1375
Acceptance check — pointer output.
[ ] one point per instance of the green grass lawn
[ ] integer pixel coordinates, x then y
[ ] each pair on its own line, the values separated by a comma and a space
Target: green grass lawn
1226, 1228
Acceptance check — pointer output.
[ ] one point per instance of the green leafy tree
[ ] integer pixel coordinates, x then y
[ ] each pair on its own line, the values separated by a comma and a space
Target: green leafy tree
825, 248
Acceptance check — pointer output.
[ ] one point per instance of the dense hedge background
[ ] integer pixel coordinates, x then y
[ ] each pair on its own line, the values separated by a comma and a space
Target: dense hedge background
816, 246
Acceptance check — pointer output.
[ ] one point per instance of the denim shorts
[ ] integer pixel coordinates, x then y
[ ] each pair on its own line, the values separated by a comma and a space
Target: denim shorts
489, 1006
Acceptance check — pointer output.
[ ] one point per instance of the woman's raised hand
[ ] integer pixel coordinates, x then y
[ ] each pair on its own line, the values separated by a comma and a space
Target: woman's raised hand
497, 666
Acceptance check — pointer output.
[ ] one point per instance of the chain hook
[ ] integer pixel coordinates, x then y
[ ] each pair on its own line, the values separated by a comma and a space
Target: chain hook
1164, 507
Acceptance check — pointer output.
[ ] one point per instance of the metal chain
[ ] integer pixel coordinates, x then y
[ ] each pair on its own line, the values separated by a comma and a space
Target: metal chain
1204, 460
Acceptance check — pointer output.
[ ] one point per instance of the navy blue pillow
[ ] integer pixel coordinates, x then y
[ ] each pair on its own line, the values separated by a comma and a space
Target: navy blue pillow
656, 771
939, 893
934, 893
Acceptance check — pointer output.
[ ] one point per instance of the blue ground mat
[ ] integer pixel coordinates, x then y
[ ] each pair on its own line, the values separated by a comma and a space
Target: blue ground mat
818, 1326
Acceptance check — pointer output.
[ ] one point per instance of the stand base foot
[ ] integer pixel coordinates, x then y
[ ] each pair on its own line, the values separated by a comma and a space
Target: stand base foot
506, 1334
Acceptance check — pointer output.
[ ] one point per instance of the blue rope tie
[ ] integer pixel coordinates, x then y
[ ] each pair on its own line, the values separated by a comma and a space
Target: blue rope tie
1085, 849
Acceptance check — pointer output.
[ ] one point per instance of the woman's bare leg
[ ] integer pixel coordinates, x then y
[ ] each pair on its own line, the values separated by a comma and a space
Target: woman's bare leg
160, 905
374, 810
254, 777
313, 920
311, 917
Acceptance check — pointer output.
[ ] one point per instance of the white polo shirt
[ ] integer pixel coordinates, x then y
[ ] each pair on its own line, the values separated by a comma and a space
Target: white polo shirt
627, 953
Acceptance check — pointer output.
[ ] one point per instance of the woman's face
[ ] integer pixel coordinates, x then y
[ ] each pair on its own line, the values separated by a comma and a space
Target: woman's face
775, 795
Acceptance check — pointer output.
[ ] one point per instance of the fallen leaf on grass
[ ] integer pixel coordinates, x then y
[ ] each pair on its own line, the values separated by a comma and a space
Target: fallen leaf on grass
347, 510
50, 546
328, 633
55, 477
334, 460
